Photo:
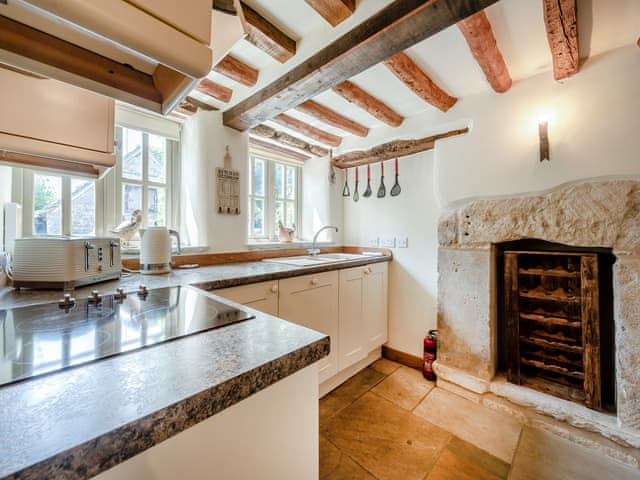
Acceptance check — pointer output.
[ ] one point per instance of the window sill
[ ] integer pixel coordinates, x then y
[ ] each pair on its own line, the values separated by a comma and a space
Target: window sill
135, 252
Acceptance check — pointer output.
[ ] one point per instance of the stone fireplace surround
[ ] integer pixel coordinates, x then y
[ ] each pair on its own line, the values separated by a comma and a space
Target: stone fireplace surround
594, 213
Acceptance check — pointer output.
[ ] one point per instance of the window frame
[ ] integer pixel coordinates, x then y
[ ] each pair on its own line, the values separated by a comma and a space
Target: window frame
269, 196
170, 181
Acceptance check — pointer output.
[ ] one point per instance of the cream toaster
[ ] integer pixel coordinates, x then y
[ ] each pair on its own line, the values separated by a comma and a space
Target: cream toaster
64, 262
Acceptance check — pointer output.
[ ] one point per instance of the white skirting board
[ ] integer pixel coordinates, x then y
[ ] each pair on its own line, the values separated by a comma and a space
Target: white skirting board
347, 373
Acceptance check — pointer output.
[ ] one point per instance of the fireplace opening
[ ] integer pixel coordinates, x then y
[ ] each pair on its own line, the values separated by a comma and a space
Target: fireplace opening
555, 320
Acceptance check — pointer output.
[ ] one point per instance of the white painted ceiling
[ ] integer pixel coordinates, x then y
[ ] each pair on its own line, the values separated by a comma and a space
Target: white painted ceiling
517, 24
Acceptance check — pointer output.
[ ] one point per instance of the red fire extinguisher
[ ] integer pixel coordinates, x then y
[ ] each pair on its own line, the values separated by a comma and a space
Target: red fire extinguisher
430, 351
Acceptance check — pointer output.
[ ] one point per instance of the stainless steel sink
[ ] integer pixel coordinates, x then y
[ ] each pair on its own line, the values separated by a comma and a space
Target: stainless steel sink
311, 260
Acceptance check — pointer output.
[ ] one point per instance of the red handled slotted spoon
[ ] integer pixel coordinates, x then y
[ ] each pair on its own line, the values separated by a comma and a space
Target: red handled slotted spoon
395, 190
382, 190
367, 192
345, 191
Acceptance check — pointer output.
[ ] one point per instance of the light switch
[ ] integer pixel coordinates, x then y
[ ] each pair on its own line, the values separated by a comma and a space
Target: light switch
402, 242
388, 242
373, 242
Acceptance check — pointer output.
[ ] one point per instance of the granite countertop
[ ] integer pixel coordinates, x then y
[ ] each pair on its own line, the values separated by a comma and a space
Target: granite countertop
79, 422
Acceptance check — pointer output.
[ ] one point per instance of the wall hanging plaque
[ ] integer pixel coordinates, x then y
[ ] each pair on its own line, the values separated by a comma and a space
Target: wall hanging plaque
228, 186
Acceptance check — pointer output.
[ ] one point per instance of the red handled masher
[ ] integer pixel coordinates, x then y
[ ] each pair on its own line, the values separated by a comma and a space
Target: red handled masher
395, 190
356, 196
367, 192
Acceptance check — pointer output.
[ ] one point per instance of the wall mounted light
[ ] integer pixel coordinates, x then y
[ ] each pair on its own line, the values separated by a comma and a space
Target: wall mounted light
543, 132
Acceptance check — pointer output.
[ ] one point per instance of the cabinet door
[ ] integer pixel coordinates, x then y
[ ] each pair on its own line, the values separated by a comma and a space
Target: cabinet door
374, 305
261, 296
351, 343
312, 301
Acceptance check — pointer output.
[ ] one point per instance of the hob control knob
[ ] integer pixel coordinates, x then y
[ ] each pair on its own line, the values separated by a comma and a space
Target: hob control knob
120, 294
143, 291
95, 297
67, 301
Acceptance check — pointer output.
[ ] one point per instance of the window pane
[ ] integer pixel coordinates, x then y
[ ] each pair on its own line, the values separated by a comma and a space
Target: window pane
83, 207
279, 216
258, 217
157, 215
291, 183
131, 154
157, 159
47, 205
279, 180
291, 214
131, 199
258, 177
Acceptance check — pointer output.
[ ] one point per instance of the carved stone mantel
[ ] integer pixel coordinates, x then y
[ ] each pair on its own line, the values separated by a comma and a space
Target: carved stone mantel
598, 213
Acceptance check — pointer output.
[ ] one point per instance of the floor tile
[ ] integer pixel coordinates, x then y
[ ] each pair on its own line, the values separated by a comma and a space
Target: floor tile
388, 441
493, 432
348, 392
479, 457
334, 465
384, 366
453, 467
405, 387
542, 455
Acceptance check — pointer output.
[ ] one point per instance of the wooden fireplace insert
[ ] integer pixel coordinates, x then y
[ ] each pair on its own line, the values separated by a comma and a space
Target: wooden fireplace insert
557, 324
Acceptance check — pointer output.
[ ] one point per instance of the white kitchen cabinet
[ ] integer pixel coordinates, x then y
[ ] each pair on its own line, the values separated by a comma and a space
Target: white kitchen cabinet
262, 296
312, 301
363, 312
46, 117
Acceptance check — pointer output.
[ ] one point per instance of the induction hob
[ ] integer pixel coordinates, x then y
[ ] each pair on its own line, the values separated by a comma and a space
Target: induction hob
41, 339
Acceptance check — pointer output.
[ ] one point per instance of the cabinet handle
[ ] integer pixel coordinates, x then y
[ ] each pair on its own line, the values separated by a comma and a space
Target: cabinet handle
367, 271
274, 289
315, 281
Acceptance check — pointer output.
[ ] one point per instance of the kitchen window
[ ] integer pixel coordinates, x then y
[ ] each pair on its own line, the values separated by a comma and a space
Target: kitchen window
143, 175
274, 196
58, 204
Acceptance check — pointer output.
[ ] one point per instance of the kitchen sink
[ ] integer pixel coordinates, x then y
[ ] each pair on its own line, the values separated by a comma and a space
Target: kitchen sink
311, 260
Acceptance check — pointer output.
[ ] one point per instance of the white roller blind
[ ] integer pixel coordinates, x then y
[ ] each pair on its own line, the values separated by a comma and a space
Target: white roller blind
130, 117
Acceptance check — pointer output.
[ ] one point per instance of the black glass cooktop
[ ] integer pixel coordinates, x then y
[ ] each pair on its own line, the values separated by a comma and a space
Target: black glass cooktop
41, 339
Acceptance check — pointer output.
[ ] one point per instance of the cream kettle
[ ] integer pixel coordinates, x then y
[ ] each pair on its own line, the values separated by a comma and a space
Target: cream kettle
155, 249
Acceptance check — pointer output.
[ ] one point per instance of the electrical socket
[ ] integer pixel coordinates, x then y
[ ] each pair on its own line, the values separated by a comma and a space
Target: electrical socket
373, 242
388, 242
402, 242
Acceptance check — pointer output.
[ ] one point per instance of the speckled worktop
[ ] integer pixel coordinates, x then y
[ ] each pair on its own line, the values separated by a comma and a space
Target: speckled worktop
77, 423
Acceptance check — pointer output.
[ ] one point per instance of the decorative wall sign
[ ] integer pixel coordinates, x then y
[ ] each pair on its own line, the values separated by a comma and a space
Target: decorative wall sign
228, 187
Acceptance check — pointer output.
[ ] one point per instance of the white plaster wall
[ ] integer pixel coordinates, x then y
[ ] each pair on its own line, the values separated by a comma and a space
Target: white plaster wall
321, 201
594, 120
204, 139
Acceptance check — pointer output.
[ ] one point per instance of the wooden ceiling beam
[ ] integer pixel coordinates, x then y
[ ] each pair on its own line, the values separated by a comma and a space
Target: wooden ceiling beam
226, 6
186, 108
393, 29
266, 36
237, 70
478, 33
215, 90
199, 104
279, 149
370, 104
561, 22
333, 11
389, 150
403, 67
287, 140
332, 118
310, 131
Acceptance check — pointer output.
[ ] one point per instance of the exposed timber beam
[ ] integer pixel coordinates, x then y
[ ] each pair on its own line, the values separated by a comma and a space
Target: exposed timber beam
279, 149
226, 6
332, 118
266, 36
215, 90
561, 22
333, 11
478, 33
186, 108
237, 70
287, 140
370, 104
310, 131
393, 29
403, 67
387, 151
199, 104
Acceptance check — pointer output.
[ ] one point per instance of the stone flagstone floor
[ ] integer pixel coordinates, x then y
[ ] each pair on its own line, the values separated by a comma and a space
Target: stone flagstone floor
389, 423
